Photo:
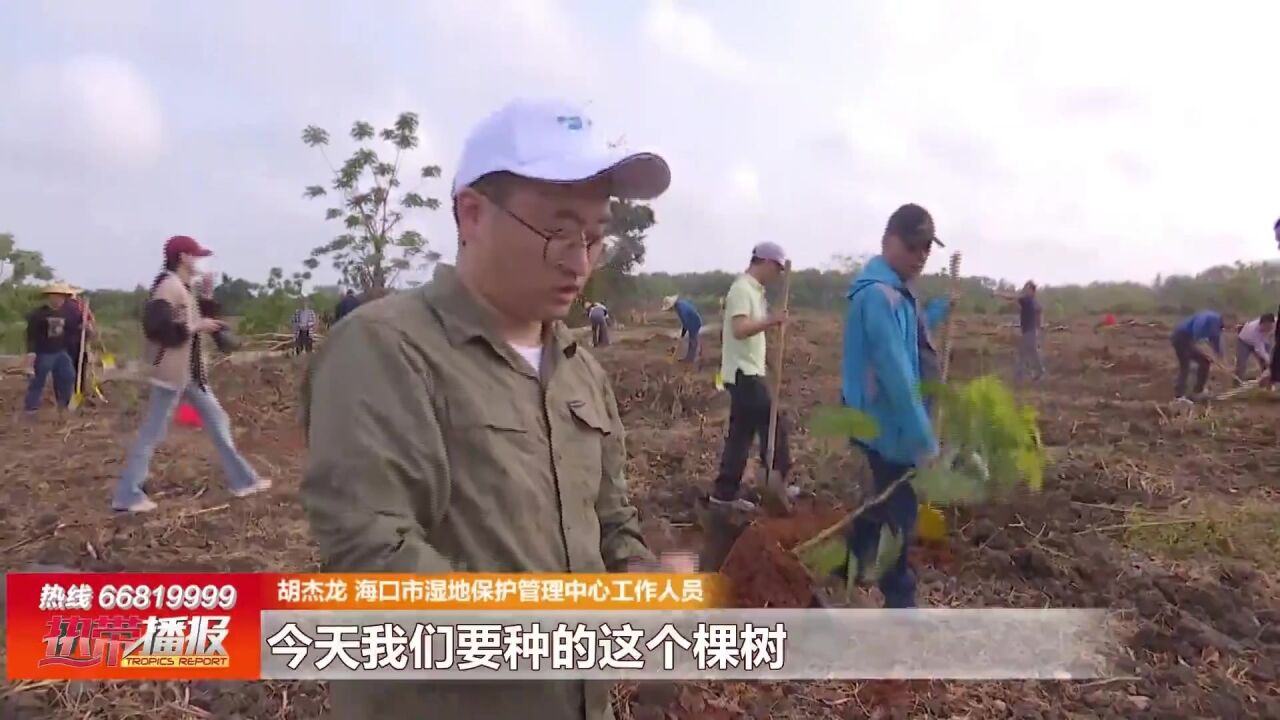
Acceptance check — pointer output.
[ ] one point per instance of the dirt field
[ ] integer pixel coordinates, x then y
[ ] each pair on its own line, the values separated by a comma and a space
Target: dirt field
1171, 519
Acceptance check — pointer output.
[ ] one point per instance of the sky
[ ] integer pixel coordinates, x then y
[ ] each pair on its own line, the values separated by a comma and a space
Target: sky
1065, 142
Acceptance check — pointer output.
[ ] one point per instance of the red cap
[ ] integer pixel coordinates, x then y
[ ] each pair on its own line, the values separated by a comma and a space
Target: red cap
179, 244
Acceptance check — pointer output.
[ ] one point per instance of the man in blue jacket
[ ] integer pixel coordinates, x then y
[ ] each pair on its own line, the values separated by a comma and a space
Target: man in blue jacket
887, 353
690, 323
1203, 328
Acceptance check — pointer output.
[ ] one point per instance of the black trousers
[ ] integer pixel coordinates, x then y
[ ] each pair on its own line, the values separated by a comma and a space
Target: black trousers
898, 511
302, 342
749, 406
1188, 354
1275, 356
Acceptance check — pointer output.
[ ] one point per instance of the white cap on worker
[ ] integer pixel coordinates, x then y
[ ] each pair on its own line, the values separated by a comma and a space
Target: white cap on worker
554, 141
770, 251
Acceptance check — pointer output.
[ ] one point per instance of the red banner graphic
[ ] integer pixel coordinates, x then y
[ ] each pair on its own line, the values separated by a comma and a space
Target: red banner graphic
171, 626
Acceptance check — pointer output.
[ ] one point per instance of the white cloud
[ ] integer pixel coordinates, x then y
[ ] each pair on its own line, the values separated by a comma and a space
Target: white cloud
745, 183
98, 108
1074, 143
112, 104
511, 41
690, 36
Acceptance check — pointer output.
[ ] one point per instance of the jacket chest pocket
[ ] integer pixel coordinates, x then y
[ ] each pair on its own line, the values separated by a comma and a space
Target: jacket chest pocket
583, 444
491, 441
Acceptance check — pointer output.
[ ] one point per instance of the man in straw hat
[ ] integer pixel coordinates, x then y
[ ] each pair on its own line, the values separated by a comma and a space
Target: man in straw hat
48, 347
690, 323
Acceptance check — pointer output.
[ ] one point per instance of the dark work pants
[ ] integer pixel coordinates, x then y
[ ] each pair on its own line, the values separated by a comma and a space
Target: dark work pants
898, 511
749, 405
302, 342
599, 333
1188, 354
1275, 355
59, 365
1244, 351
691, 346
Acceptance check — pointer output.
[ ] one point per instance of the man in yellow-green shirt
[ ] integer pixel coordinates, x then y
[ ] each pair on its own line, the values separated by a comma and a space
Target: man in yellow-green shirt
742, 366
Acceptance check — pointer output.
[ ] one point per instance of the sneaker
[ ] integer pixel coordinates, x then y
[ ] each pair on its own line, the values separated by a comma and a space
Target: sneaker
146, 504
741, 504
259, 485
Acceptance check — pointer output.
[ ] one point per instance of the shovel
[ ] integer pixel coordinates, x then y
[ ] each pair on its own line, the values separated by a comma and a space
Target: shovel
774, 495
77, 399
931, 524
1242, 389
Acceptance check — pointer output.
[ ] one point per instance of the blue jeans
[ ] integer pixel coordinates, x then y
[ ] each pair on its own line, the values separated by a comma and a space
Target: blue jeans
691, 353
898, 511
63, 370
155, 425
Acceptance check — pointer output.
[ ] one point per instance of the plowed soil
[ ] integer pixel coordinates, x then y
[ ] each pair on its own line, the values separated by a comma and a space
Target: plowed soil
1170, 518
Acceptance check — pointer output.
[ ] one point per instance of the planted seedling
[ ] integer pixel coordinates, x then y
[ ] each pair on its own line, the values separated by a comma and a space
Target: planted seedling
991, 446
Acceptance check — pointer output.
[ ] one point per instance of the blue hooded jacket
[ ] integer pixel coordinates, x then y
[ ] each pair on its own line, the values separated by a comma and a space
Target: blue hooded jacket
881, 371
690, 320
1204, 325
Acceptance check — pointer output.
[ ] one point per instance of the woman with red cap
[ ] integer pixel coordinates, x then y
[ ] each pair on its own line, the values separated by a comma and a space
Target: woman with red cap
174, 321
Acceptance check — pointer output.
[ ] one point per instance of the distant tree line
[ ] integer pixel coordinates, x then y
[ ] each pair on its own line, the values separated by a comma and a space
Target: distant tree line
1241, 289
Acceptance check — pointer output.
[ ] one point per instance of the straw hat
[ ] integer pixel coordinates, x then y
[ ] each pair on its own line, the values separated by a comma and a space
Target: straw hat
669, 302
59, 288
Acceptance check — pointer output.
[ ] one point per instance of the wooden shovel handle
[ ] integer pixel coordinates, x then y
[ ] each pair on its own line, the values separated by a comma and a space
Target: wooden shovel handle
777, 375
84, 331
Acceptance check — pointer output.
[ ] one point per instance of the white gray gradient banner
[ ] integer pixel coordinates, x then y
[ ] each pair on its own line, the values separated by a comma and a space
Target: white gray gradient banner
969, 644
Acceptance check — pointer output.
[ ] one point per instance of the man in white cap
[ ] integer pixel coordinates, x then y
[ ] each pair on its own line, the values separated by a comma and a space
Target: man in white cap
742, 368
484, 438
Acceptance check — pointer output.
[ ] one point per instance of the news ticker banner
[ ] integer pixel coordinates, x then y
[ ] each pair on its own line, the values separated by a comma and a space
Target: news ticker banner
209, 625
510, 627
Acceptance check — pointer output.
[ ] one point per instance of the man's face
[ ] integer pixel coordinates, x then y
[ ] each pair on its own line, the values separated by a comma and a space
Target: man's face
1267, 327
769, 272
907, 257
55, 301
526, 276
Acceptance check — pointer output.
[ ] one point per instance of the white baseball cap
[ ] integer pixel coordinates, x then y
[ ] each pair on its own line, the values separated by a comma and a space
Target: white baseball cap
770, 251
554, 141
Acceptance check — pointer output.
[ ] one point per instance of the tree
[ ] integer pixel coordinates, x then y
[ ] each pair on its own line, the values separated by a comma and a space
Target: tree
233, 294
624, 249
623, 252
18, 265
370, 255
273, 302
848, 264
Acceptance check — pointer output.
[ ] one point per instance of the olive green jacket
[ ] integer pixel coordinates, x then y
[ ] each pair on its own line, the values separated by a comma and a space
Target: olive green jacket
433, 447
